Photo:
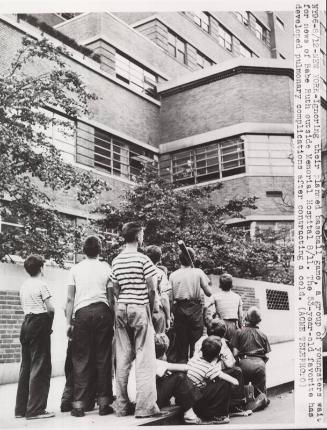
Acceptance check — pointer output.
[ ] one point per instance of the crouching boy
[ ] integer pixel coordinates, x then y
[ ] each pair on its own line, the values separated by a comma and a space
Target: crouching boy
35, 371
214, 385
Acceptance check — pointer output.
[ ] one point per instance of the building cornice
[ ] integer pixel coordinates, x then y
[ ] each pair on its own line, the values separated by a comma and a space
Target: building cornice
226, 132
225, 70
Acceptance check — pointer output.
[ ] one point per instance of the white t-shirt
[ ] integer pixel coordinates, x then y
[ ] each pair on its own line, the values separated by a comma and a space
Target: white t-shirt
33, 294
90, 278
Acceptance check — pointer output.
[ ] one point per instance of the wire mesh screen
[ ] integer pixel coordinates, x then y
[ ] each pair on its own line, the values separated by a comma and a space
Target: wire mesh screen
277, 300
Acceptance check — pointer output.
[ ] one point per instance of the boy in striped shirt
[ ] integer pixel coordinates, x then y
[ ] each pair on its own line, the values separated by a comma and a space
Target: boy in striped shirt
215, 385
133, 281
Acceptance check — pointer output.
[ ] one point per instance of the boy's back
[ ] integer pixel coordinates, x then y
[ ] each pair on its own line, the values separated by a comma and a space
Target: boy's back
33, 294
251, 341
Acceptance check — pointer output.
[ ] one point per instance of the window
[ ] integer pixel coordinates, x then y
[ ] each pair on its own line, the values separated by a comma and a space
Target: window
203, 61
202, 20
261, 32
225, 38
245, 51
280, 23
176, 47
61, 132
277, 300
112, 154
243, 17
274, 193
137, 77
214, 161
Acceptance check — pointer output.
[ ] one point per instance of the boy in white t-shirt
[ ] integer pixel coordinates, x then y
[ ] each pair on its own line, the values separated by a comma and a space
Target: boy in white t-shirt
35, 371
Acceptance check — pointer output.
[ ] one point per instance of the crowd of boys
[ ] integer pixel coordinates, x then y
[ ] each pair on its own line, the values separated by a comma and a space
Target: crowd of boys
118, 319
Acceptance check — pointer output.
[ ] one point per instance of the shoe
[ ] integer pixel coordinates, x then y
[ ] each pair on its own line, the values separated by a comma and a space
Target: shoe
66, 407
220, 420
77, 412
89, 407
105, 410
19, 416
195, 420
44, 414
239, 412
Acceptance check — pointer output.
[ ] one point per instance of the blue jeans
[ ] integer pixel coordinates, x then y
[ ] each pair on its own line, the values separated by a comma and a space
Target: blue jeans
135, 339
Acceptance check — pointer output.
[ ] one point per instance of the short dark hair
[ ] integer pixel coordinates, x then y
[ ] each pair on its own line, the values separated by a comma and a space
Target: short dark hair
154, 253
211, 347
33, 264
92, 246
217, 327
253, 316
130, 230
226, 282
183, 258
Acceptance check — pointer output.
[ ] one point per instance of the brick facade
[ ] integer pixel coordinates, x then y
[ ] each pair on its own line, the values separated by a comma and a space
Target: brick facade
11, 318
236, 99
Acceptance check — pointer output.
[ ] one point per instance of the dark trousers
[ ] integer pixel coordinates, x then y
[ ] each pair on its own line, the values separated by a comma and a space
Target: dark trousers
188, 326
180, 386
35, 370
92, 353
238, 392
254, 371
215, 400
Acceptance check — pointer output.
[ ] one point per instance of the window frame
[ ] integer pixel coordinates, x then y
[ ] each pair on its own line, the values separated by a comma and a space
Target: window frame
175, 42
280, 23
222, 32
245, 20
205, 26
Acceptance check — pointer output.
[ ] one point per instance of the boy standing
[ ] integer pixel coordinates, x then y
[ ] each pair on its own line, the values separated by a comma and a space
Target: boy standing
187, 286
35, 370
92, 304
133, 278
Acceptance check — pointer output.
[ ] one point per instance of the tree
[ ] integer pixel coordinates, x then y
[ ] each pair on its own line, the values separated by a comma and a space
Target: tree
32, 168
169, 214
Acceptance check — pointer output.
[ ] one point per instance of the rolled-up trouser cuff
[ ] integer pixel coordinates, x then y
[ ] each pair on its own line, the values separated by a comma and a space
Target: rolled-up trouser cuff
78, 404
103, 401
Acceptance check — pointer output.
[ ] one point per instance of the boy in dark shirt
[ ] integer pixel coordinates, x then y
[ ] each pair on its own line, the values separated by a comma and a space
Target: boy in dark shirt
250, 346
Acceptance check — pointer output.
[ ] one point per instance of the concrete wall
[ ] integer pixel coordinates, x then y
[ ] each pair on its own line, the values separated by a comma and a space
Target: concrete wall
239, 98
12, 276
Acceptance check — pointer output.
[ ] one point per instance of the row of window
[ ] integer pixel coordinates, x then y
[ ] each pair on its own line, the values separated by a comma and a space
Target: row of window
225, 37
137, 77
259, 30
96, 148
177, 48
214, 161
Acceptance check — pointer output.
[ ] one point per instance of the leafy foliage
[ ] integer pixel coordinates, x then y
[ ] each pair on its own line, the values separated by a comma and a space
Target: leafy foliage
31, 166
169, 214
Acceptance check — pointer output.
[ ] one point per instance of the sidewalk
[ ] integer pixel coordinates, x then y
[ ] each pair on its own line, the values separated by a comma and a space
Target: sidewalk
280, 411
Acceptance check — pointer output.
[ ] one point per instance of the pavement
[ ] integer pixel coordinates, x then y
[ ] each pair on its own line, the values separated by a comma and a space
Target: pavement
280, 411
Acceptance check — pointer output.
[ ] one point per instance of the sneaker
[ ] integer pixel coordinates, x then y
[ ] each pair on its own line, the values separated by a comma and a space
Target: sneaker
19, 416
105, 410
44, 414
155, 415
77, 412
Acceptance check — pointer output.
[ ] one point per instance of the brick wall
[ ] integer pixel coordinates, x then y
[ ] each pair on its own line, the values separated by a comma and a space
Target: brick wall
11, 317
239, 98
248, 297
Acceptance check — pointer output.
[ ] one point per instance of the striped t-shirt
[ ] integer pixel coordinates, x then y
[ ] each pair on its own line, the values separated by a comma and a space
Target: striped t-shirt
200, 371
33, 294
130, 270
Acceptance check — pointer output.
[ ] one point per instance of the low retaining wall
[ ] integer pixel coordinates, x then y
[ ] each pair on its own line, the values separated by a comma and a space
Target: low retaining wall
277, 323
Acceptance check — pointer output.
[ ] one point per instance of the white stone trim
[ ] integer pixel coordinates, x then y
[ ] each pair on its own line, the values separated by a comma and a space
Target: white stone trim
223, 67
222, 133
